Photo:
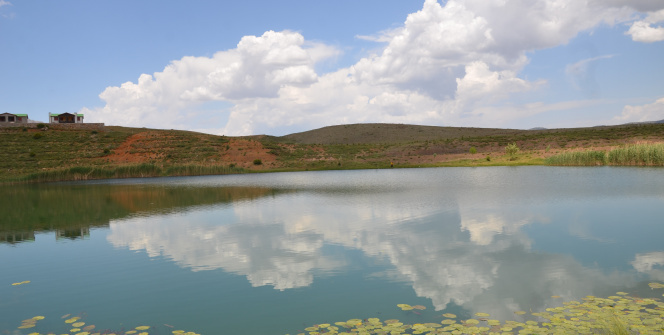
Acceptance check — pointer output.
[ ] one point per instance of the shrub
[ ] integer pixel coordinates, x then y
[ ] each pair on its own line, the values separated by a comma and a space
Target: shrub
93, 132
511, 149
258, 162
473, 150
488, 158
106, 151
41, 125
32, 154
37, 136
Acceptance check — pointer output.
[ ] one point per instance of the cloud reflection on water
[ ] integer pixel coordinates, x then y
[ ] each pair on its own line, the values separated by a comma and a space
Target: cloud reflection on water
465, 247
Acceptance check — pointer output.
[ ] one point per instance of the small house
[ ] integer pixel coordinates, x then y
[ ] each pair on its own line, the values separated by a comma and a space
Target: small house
65, 118
13, 118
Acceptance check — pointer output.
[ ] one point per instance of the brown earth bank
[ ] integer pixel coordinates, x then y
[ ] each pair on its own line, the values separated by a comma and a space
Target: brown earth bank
336, 147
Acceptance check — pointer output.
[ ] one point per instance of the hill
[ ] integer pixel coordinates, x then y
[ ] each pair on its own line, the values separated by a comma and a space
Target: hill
374, 133
31, 153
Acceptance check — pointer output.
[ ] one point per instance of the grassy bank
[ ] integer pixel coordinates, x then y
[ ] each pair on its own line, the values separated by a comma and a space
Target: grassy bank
645, 154
125, 171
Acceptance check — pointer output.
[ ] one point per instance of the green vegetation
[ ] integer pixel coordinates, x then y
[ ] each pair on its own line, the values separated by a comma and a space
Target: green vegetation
578, 158
127, 171
635, 154
619, 314
638, 154
80, 327
48, 154
200, 170
511, 149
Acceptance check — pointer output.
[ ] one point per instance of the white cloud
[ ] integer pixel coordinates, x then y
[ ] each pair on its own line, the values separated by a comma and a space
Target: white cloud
443, 66
256, 69
649, 112
644, 31
582, 75
6, 3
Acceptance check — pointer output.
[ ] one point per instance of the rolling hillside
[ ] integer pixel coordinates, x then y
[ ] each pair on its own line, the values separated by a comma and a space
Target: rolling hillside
113, 152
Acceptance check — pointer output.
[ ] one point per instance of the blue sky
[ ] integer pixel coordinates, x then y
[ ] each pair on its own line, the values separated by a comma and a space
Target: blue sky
265, 67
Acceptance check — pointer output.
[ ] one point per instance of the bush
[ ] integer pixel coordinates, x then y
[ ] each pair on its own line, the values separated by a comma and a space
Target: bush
258, 162
37, 136
473, 150
488, 158
106, 151
32, 154
511, 149
41, 125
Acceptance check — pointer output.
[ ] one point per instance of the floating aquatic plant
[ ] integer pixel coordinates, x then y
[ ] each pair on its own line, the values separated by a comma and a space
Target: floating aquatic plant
20, 283
618, 314
77, 330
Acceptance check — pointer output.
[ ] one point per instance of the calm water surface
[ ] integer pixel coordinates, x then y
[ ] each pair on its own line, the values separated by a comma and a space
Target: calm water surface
275, 253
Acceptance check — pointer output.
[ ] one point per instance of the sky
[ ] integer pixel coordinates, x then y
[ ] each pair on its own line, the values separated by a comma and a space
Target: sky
280, 67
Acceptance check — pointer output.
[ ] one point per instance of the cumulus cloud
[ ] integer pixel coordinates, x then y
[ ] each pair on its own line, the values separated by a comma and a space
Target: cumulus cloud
443, 65
257, 68
643, 113
4, 3
649, 29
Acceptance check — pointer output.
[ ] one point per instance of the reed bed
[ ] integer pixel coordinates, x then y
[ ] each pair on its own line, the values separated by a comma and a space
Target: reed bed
578, 158
641, 154
648, 154
127, 171
200, 170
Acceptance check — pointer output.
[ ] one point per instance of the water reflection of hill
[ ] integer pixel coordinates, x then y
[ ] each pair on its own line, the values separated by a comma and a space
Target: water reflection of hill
71, 210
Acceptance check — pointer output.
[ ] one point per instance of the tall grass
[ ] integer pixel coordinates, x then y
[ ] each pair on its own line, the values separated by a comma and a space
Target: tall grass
578, 158
199, 170
87, 173
127, 171
642, 154
651, 154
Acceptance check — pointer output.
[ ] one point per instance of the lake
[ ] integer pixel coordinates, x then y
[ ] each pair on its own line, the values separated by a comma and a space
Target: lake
275, 253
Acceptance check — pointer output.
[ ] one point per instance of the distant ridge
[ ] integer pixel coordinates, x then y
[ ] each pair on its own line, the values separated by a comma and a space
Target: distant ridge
390, 133
373, 133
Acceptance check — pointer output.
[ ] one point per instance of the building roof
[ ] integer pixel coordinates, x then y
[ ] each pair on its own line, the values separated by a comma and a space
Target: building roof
76, 114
